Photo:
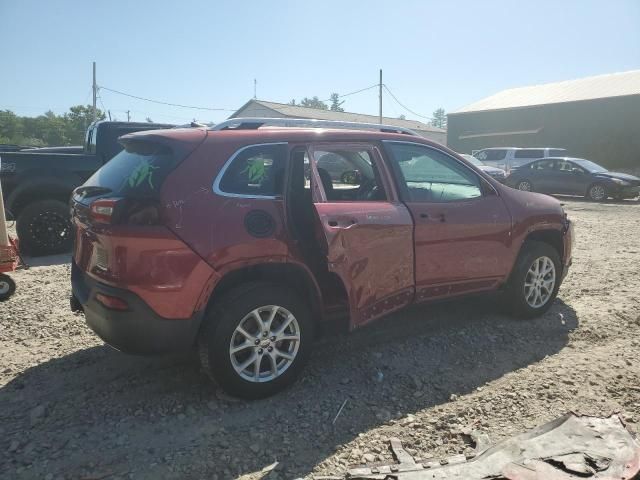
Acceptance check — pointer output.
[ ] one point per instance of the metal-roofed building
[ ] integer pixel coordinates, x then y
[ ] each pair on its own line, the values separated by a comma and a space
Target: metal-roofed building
596, 118
263, 109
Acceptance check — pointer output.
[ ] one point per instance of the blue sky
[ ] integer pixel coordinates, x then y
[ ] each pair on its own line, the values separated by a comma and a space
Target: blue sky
207, 53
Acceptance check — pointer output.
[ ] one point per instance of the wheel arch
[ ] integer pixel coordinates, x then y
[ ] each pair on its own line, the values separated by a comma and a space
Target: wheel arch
550, 236
293, 275
39, 189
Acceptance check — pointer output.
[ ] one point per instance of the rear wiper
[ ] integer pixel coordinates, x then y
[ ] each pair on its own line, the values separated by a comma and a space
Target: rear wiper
90, 191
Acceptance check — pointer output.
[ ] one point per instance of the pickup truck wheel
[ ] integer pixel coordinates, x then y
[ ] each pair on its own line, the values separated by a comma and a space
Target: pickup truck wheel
7, 287
44, 228
535, 280
256, 339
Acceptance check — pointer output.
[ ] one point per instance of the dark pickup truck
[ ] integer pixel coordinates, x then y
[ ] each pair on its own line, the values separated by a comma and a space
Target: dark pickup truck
37, 184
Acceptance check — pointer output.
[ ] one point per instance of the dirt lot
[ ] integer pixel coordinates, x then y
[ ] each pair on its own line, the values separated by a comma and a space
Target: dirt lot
73, 408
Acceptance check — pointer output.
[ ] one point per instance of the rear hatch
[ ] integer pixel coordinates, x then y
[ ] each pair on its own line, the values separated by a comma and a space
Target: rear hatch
117, 212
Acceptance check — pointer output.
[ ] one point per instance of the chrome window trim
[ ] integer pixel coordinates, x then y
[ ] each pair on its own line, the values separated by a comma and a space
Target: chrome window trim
216, 183
451, 157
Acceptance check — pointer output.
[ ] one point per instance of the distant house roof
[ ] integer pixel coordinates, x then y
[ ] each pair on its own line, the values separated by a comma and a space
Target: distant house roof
601, 86
296, 111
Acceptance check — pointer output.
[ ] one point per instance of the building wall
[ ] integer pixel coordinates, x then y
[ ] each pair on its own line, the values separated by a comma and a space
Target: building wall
604, 130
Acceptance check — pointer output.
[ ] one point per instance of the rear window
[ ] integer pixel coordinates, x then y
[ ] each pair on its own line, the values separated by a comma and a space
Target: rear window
139, 170
529, 153
257, 170
491, 155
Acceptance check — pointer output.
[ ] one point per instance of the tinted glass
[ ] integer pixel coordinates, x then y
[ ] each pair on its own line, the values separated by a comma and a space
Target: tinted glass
529, 153
543, 165
349, 175
257, 170
591, 166
491, 155
567, 166
139, 169
557, 152
431, 176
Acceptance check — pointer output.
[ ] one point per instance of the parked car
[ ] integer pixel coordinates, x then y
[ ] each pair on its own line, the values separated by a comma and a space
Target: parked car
497, 173
214, 238
37, 184
574, 176
510, 158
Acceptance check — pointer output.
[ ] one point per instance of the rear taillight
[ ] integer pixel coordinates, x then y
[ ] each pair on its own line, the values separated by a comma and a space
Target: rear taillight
126, 211
103, 210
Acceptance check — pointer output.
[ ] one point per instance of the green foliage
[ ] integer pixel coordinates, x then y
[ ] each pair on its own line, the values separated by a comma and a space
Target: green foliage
336, 104
314, 102
439, 118
48, 129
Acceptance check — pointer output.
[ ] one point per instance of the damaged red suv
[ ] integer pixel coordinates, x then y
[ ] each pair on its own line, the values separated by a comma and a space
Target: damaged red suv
241, 240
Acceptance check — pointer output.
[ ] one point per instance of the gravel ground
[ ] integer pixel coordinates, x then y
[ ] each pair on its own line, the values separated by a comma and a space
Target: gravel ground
73, 408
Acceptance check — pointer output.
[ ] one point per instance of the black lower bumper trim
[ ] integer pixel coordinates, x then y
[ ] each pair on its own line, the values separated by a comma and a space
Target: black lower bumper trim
139, 329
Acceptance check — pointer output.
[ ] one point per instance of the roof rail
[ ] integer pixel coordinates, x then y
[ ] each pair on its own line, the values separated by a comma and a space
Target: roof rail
253, 123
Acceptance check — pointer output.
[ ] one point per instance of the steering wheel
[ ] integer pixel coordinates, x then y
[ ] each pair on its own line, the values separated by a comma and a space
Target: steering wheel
368, 190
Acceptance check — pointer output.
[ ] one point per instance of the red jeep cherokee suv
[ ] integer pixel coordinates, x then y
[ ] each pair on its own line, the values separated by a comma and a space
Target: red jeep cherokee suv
239, 240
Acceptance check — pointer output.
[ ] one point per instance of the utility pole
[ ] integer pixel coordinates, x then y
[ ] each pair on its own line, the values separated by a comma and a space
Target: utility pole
95, 93
255, 88
128, 116
380, 96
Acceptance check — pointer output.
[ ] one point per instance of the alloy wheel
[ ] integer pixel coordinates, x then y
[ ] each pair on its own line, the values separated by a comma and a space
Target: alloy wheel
597, 192
525, 186
539, 282
265, 343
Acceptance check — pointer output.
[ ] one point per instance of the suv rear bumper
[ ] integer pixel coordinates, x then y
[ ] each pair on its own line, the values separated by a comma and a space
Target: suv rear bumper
136, 330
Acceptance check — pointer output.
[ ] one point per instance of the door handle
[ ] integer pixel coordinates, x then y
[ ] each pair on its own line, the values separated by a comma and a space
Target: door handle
424, 215
343, 223
333, 223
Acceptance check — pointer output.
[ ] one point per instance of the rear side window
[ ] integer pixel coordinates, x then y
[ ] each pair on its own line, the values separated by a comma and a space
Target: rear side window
557, 152
491, 155
139, 169
529, 153
257, 170
543, 165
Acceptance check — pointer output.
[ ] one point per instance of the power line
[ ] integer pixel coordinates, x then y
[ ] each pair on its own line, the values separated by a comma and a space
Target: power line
404, 106
352, 93
166, 103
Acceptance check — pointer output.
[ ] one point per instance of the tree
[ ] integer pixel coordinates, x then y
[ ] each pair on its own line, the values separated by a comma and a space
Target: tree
149, 120
402, 117
314, 102
48, 129
336, 103
292, 101
439, 119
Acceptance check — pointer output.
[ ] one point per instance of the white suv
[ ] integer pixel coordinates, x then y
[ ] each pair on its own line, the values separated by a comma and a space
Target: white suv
510, 158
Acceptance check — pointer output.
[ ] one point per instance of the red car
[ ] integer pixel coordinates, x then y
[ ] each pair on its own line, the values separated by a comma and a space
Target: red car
216, 238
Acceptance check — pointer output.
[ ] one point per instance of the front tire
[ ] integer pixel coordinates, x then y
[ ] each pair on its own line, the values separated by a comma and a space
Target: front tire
597, 192
44, 228
256, 340
535, 280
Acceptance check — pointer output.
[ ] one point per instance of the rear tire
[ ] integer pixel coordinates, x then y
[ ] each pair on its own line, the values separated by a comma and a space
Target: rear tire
530, 291
597, 192
44, 228
7, 287
525, 186
231, 337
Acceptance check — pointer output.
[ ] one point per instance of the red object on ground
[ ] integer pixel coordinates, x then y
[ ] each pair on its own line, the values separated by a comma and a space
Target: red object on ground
9, 256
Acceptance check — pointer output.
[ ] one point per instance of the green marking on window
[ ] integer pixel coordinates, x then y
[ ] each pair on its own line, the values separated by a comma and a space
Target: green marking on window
142, 172
256, 170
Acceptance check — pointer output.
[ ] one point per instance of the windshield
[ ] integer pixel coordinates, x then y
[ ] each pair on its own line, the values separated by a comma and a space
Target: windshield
590, 166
